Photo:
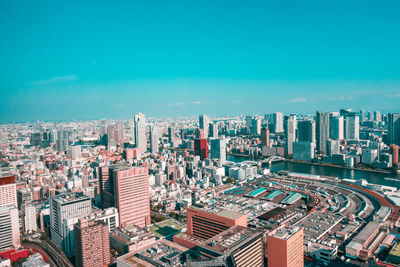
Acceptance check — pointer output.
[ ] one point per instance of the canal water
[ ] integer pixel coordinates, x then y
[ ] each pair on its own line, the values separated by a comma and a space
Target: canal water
342, 173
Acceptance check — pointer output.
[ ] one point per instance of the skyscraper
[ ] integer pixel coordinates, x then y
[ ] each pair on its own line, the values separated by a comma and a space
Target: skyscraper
290, 131
394, 128
201, 148
306, 131
92, 245
140, 132
132, 196
285, 248
352, 126
265, 136
65, 210
171, 134
203, 124
322, 130
62, 141
103, 132
336, 131
214, 130
278, 122
218, 149
153, 139
9, 230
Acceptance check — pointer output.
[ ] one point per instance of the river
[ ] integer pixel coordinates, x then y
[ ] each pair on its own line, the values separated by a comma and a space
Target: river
371, 177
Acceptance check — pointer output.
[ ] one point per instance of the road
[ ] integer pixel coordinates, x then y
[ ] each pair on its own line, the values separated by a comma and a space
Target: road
53, 254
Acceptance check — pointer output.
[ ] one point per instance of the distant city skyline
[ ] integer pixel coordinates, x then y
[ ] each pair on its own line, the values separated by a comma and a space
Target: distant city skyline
96, 60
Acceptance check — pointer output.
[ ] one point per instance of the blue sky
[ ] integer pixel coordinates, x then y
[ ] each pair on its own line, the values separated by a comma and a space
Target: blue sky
95, 59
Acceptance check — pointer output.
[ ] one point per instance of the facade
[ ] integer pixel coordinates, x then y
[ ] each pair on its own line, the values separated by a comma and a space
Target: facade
171, 134
352, 126
201, 148
203, 124
8, 191
29, 218
218, 149
322, 130
277, 119
153, 139
285, 248
132, 196
214, 130
265, 137
333, 147
9, 230
336, 128
394, 128
306, 131
206, 223
394, 149
92, 245
65, 210
62, 141
303, 151
290, 130
140, 132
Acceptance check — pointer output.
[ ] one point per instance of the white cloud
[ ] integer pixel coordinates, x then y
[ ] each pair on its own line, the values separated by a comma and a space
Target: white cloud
297, 100
237, 101
57, 79
196, 102
177, 104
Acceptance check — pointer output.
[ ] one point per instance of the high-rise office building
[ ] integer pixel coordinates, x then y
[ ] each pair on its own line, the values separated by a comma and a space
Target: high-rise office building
336, 128
352, 126
65, 210
377, 116
103, 132
153, 133
62, 141
218, 149
106, 185
8, 191
205, 224
140, 132
285, 248
36, 139
265, 136
29, 218
255, 127
322, 130
9, 228
92, 245
201, 148
306, 131
394, 128
277, 122
132, 195
203, 124
171, 134
213, 130
290, 132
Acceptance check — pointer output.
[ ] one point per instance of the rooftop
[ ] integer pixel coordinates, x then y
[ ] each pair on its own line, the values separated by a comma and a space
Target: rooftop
285, 233
233, 215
